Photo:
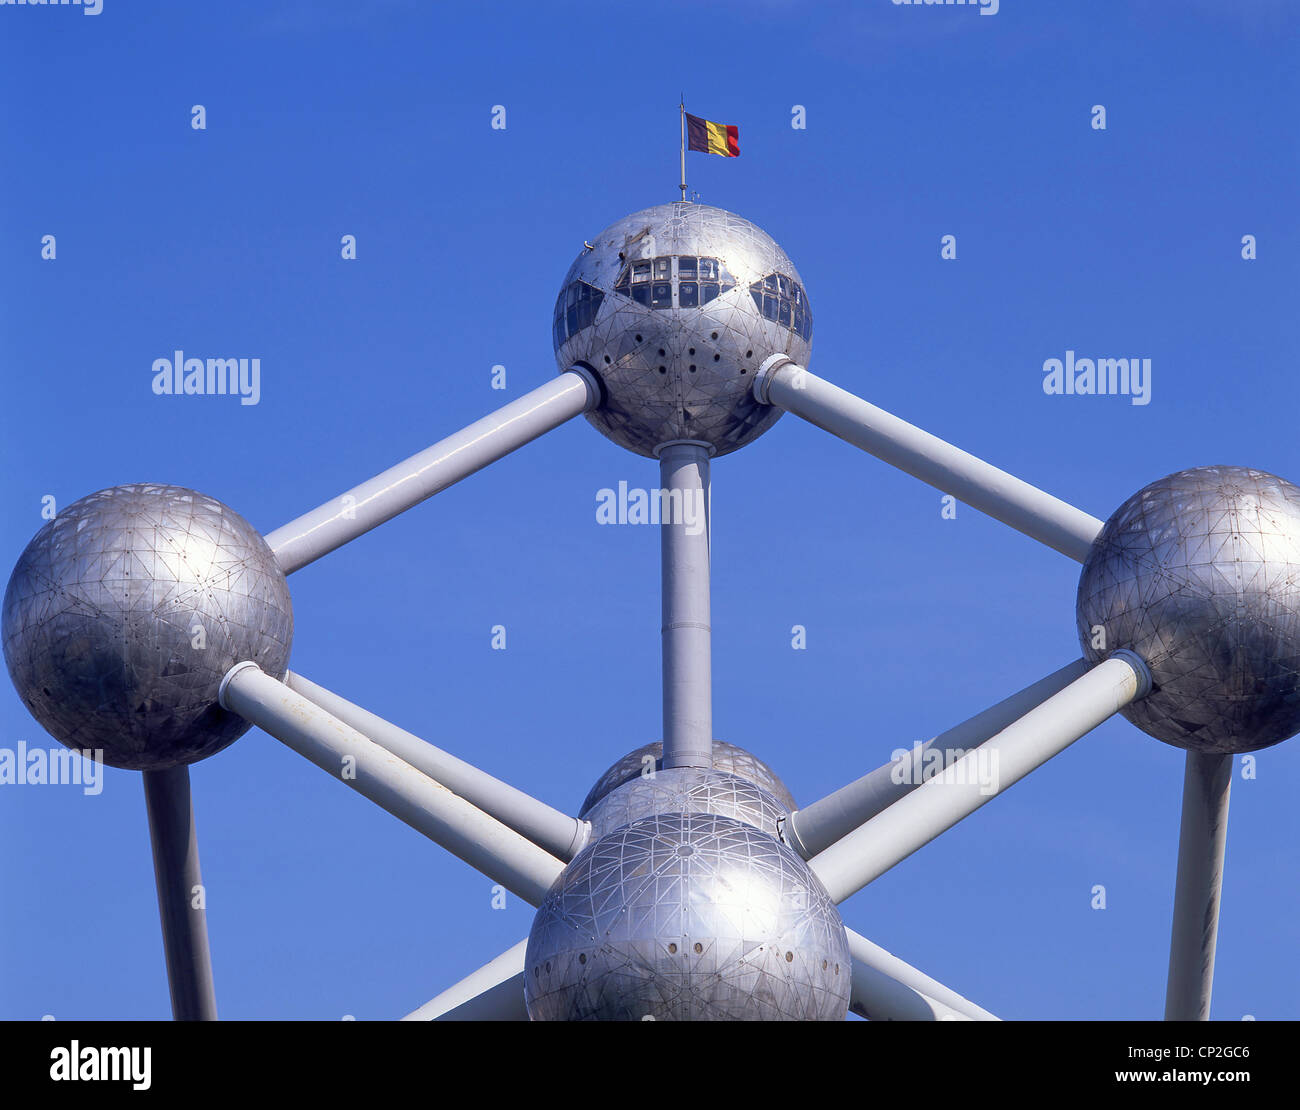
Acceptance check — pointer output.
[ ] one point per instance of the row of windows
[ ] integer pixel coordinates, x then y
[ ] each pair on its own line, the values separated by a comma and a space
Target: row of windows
698, 281
783, 301
659, 294
689, 266
652, 281
575, 309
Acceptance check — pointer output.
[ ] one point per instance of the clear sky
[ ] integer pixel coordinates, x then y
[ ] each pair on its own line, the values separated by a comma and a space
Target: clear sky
330, 118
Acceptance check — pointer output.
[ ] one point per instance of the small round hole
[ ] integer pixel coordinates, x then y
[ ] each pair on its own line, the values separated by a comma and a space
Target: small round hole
824, 964
663, 369
749, 354
743, 370
662, 352
607, 360
715, 335
789, 957
716, 358
692, 368
691, 351
638, 339
582, 957
672, 948
698, 947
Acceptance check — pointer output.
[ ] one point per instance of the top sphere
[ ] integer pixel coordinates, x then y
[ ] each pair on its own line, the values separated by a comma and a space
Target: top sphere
125, 612
1199, 574
675, 308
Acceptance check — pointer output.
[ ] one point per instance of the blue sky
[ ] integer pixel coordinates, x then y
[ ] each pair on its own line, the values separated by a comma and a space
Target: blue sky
331, 118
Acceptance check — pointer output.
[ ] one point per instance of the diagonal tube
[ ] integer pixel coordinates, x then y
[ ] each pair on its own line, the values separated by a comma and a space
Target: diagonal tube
994, 767
876, 997
886, 988
495, 992
561, 835
394, 785
819, 825
1002, 496
181, 900
1202, 838
397, 489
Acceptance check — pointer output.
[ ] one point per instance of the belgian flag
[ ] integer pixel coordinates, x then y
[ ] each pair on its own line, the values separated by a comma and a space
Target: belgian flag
712, 138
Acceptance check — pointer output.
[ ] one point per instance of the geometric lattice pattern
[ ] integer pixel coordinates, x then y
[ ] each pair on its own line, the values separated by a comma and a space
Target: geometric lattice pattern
687, 790
127, 609
682, 372
1199, 574
726, 757
687, 917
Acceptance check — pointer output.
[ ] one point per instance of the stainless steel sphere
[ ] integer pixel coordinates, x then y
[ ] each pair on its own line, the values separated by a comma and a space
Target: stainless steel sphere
125, 611
675, 308
726, 757
1199, 574
687, 790
687, 917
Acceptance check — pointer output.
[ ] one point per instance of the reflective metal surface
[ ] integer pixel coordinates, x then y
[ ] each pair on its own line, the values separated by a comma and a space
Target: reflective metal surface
726, 757
125, 611
686, 790
675, 308
687, 917
1199, 573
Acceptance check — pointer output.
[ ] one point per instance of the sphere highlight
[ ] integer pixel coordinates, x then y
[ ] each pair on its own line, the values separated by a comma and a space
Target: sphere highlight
687, 917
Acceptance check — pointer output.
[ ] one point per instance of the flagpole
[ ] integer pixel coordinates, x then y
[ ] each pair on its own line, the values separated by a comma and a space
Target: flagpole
682, 107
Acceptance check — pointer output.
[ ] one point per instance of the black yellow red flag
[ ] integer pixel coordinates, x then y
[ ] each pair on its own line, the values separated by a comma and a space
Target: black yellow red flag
712, 138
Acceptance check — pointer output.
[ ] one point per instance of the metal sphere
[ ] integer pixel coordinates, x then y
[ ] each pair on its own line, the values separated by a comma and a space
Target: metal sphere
726, 757
687, 917
687, 790
1199, 574
126, 610
675, 308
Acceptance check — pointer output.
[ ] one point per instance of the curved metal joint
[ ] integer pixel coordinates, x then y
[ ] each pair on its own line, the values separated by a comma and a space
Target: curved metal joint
763, 379
1140, 669
788, 832
581, 838
595, 390
708, 448
225, 682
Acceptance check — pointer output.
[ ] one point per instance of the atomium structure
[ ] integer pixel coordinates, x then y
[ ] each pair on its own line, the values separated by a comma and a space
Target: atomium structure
154, 623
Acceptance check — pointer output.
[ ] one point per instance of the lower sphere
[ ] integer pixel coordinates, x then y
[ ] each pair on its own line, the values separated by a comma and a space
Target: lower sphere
687, 918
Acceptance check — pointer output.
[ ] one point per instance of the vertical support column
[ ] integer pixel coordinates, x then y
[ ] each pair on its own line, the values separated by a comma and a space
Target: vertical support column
176, 873
687, 635
1207, 782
